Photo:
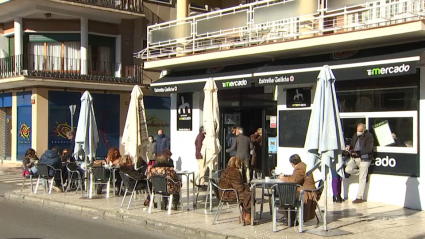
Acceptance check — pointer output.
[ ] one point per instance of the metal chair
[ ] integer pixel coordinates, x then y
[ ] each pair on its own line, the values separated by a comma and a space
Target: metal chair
289, 199
132, 185
160, 188
101, 176
43, 174
216, 176
74, 176
25, 177
219, 192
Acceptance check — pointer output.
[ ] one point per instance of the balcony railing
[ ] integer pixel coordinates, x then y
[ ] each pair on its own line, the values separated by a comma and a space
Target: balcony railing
272, 21
71, 69
126, 5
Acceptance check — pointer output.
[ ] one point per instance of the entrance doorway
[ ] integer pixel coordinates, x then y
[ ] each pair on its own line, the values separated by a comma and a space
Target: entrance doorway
5, 133
250, 109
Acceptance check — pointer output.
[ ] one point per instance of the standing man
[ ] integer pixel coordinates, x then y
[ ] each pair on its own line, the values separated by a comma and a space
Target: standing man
229, 140
361, 157
198, 145
243, 145
162, 143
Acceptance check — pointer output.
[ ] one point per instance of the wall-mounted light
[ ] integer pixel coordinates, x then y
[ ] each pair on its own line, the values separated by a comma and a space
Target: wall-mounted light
48, 15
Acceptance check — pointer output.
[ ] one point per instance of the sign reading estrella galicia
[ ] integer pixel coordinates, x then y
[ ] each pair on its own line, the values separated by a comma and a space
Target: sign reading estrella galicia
388, 70
275, 80
165, 89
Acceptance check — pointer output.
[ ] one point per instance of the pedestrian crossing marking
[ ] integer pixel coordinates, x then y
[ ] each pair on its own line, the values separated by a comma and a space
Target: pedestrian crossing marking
16, 179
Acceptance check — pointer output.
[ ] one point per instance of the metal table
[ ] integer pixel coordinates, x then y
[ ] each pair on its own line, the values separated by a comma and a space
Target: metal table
187, 175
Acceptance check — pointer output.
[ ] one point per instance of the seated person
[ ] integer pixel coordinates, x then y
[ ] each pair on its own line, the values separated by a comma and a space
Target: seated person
163, 168
231, 177
307, 182
167, 153
113, 157
52, 158
64, 155
30, 161
127, 167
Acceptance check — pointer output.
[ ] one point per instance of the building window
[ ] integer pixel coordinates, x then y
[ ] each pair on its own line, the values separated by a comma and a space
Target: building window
100, 60
54, 56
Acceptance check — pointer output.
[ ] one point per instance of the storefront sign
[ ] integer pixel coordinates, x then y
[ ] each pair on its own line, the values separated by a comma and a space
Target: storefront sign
184, 112
389, 70
275, 80
165, 89
395, 164
273, 122
298, 97
272, 145
231, 84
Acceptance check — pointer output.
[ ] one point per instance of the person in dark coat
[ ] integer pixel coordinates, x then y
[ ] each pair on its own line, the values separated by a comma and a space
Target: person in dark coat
231, 178
69, 154
243, 145
198, 145
361, 157
52, 158
162, 143
127, 167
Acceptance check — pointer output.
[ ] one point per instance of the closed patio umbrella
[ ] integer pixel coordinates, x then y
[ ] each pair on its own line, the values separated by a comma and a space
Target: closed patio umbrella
87, 135
324, 139
211, 145
135, 135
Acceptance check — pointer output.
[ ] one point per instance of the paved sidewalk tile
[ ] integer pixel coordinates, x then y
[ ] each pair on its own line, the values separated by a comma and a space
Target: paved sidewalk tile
367, 220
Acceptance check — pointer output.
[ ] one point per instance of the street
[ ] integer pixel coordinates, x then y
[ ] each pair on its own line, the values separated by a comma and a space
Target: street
19, 220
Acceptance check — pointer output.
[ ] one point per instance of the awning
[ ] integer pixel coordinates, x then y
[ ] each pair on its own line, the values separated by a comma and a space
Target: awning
360, 68
226, 77
348, 65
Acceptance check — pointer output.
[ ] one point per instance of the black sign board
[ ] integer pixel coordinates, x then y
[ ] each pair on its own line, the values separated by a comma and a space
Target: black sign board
184, 112
395, 164
298, 97
293, 125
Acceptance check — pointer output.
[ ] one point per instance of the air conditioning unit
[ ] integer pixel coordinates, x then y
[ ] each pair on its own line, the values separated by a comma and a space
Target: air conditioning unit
25, 72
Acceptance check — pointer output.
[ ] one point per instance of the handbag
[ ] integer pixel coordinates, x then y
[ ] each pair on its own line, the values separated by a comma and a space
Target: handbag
26, 173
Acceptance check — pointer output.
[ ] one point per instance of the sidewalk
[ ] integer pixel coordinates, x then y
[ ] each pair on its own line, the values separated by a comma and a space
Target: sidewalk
10, 168
367, 220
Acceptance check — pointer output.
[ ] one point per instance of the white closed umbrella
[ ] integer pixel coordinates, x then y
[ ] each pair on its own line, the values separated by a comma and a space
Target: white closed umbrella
87, 136
135, 135
211, 145
324, 139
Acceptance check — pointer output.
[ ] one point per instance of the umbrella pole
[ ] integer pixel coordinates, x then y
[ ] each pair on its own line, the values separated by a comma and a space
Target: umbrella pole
325, 198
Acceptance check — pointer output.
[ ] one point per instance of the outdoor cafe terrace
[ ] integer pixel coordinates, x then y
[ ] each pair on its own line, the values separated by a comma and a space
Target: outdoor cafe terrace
367, 220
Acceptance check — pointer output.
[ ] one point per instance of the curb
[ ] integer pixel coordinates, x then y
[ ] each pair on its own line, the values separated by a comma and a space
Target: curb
148, 224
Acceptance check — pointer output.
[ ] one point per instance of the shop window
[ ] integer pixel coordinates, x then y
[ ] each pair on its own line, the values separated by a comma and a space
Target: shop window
394, 99
349, 127
401, 128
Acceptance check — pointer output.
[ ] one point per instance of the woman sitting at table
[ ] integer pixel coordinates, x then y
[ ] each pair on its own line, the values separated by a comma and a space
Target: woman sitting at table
167, 153
30, 161
113, 158
163, 168
127, 167
231, 178
307, 182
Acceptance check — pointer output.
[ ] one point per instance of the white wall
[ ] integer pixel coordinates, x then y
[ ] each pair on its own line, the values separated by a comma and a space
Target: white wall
183, 142
395, 190
3, 46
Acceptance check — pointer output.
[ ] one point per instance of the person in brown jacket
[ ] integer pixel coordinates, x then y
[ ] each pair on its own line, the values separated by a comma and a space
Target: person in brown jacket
256, 160
231, 177
307, 182
198, 145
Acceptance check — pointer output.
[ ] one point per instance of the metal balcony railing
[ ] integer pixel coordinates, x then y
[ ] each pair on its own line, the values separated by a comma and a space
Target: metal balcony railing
272, 21
126, 5
72, 69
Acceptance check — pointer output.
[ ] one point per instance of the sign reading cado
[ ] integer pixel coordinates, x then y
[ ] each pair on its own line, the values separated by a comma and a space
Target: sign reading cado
388, 70
403, 164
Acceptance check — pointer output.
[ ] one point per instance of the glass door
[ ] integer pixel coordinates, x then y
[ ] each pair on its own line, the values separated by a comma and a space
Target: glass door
270, 146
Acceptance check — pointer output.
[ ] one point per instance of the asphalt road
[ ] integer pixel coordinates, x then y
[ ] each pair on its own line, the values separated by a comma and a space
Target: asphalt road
26, 221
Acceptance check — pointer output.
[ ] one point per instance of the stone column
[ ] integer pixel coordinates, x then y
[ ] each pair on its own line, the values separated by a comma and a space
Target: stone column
18, 36
84, 41
182, 12
40, 124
